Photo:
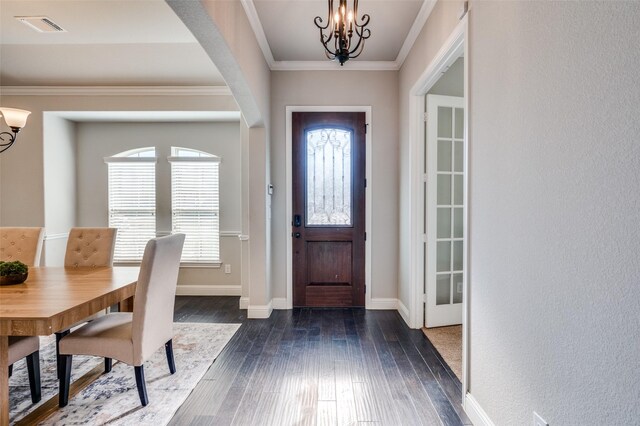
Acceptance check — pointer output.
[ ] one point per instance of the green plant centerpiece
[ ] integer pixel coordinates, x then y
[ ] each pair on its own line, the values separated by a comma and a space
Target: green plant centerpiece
13, 272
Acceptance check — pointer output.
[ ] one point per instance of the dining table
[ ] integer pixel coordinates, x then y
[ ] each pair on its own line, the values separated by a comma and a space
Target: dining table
51, 300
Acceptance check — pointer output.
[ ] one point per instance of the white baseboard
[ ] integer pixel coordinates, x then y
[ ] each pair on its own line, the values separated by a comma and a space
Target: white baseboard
383, 304
404, 312
259, 311
475, 412
279, 303
208, 290
244, 303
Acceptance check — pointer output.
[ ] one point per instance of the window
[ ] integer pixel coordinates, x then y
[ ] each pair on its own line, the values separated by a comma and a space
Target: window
195, 208
132, 202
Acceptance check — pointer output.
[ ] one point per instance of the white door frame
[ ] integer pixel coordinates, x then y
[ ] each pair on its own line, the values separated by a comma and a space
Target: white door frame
289, 192
455, 46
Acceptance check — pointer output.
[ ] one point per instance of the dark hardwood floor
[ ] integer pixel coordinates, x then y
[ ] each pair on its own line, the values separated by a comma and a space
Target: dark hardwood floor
319, 366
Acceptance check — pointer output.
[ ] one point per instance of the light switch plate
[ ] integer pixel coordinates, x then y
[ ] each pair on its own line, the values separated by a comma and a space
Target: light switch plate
227, 269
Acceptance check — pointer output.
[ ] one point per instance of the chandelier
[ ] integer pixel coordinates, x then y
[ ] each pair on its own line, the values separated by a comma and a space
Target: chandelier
339, 42
16, 120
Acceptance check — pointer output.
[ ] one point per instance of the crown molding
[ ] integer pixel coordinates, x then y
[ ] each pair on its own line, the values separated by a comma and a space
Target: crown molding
334, 66
414, 32
115, 91
412, 36
258, 30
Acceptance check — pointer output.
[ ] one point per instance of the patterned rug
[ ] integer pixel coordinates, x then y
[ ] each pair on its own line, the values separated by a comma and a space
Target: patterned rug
113, 398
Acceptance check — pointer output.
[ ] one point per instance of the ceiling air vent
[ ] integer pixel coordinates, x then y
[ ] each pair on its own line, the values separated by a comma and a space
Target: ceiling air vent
42, 24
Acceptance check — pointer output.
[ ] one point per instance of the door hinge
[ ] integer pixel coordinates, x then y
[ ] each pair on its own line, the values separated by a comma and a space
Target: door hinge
424, 238
365, 183
424, 117
365, 127
365, 236
365, 289
424, 298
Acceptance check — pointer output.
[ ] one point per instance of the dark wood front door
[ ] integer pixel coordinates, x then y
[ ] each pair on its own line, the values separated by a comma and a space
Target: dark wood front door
328, 224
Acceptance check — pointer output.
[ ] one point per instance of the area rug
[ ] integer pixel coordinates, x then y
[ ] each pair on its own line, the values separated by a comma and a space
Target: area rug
448, 343
113, 398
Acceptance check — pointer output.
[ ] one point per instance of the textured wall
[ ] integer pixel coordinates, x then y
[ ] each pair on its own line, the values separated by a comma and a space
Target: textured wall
555, 208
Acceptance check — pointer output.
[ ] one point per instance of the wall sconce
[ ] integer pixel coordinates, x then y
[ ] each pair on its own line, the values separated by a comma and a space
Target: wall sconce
16, 120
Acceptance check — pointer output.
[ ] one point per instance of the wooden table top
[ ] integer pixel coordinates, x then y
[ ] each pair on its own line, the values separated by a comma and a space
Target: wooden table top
54, 298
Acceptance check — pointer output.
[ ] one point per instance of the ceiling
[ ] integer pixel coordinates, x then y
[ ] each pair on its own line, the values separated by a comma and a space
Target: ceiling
144, 43
290, 40
108, 42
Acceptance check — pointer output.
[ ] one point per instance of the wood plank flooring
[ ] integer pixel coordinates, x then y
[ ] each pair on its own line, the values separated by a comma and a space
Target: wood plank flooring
319, 367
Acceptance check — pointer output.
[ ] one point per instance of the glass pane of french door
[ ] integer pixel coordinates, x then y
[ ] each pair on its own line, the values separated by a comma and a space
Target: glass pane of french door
450, 196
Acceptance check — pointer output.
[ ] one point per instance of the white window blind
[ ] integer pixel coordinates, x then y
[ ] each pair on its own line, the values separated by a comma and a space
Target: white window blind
195, 206
132, 204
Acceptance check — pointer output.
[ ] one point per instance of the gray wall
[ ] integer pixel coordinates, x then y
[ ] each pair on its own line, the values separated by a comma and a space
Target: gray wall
24, 166
60, 195
451, 83
441, 22
343, 88
554, 211
95, 141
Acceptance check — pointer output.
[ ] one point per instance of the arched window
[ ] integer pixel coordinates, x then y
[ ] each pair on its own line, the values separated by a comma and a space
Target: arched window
195, 206
132, 201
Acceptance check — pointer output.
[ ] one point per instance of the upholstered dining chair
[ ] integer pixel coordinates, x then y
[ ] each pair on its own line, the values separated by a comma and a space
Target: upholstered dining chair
87, 248
133, 337
23, 244
27, 347
90, 247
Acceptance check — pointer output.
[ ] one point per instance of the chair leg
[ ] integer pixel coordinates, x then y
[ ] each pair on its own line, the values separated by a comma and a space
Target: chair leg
59, 336
65, 380
108, 363
169, 349
142, 387
33, 368
10, 370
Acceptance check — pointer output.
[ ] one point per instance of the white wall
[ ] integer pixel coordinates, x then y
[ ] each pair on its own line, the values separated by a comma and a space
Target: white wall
554, 211
97, 140
343, 88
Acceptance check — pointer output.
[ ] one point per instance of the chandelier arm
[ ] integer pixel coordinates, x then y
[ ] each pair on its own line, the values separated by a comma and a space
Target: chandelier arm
363, 33
318, 22
356, 54
5, 145
364, 22
325, 39
357, 46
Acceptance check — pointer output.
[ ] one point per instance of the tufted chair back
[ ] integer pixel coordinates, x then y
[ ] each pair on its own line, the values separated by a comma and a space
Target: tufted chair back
23, 244
92, 247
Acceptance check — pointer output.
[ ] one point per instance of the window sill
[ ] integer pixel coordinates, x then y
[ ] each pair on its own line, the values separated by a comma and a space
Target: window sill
212, 265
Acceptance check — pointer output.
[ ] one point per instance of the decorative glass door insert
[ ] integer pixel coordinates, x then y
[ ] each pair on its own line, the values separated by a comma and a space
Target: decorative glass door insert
328, 176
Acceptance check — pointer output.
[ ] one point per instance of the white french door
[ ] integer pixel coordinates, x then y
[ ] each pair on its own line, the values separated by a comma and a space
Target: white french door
444, 208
